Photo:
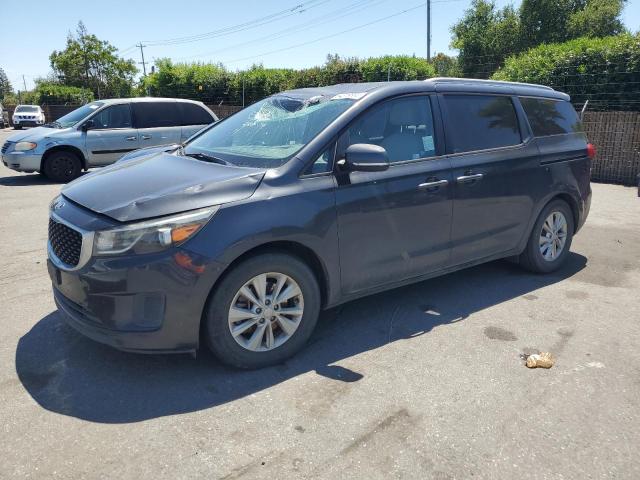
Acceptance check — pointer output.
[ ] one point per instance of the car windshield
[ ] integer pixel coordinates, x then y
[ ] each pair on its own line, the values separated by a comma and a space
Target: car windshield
268, 133
27, 108
70, 119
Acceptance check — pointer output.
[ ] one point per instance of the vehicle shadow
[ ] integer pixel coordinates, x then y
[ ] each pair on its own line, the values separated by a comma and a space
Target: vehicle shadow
26, 180
29, 179
71, 375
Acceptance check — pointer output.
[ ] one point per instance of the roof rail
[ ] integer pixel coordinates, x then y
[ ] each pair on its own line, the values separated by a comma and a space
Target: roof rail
486, 82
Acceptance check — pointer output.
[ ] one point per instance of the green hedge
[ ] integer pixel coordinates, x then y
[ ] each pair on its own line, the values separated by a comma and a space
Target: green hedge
213, 83
605, 71
56, 94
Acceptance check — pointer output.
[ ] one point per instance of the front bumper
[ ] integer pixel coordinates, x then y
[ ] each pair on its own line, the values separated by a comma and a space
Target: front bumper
27, 122
22, 161
142, 303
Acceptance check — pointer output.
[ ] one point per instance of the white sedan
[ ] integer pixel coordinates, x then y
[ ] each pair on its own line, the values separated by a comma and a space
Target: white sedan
27, 116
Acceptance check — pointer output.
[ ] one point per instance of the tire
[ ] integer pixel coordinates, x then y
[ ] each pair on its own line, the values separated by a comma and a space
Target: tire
62, 166
17, 127
217, 317
533, 258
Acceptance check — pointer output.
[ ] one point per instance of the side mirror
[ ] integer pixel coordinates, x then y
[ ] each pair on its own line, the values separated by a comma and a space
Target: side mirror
365, 157
88, 125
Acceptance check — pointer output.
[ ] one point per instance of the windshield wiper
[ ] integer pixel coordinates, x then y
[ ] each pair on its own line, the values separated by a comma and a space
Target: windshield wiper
207, 158
54, 124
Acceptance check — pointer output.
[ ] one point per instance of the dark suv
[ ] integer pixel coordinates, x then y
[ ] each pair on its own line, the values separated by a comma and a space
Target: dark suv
311, 198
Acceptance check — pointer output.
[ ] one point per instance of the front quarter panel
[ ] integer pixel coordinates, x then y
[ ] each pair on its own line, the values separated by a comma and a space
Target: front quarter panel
301, 212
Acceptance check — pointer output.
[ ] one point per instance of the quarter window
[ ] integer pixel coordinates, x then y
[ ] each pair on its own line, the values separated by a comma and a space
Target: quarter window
115, 116
480, 122
402, 126
323, 163
551, 117
156, 114
193, 114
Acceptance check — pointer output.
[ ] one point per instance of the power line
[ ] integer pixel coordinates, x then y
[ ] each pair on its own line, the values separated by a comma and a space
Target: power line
326, 18
297, 9
319, 39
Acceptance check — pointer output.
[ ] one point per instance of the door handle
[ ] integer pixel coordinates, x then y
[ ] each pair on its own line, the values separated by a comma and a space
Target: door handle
131, 139
469, 178
146, 137
433, 185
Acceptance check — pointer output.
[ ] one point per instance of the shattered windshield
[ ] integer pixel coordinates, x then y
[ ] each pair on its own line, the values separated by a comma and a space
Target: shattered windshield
269, 132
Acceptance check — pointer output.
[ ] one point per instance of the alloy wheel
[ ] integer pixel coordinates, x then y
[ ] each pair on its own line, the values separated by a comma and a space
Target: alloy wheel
266, 312
553, 236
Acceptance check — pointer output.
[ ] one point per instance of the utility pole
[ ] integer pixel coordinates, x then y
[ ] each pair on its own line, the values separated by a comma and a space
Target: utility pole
144, 65
428, 30
242, 91
389, 73
24, 83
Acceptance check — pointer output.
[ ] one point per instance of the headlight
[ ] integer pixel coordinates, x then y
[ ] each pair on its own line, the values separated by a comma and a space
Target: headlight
24, 146
151, 236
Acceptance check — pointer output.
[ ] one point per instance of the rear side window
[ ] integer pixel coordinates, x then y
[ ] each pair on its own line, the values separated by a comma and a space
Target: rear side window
551, 117
193, 114
156, 114
479, 122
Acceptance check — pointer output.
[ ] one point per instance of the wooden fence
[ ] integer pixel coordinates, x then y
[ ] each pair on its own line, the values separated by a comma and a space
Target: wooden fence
616, 136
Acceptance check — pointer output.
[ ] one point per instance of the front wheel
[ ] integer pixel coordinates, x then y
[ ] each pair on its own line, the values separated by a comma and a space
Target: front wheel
263, 311
62, 166
550, 240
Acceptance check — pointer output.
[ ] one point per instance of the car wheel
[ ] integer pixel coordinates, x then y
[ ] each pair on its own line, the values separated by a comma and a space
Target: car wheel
62, 166
550, 240
17, 127
263, 311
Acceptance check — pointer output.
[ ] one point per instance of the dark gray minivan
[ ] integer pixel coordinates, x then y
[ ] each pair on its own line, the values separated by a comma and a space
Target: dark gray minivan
311, 198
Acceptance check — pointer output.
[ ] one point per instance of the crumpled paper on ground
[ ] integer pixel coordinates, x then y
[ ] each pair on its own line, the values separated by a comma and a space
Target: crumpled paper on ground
540, 360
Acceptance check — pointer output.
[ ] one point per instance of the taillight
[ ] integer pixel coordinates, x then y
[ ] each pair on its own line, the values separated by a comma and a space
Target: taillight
591, 151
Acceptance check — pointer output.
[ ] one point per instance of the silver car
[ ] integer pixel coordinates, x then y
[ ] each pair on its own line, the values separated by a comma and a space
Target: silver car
101, 132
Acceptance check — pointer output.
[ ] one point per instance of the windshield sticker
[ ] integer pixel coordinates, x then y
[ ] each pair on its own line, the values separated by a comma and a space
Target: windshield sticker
349, 96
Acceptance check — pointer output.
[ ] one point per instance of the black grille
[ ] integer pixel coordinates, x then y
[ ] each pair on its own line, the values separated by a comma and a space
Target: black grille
65, 242
5, 147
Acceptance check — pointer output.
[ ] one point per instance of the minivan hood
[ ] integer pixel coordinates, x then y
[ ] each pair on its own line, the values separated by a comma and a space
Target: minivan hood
161, 184
39, 133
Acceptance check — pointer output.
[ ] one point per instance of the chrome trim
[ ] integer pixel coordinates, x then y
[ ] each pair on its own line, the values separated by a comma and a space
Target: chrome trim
86, 250
434, 184
469, 178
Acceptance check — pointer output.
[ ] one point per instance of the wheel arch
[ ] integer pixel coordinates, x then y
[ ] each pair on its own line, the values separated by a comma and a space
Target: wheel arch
61, 148
288, 247
573, 205
299, 250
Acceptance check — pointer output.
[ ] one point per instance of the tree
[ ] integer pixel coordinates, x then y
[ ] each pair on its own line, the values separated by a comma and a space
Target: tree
601, 70
485, 36
446, 66
598, 18
552, 21
93, 64
5, 85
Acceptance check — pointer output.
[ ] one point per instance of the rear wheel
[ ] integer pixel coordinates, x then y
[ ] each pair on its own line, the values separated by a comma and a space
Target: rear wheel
263, 311
62, 166
550, 240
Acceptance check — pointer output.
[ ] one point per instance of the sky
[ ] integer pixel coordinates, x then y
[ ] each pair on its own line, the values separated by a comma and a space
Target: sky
275, 33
